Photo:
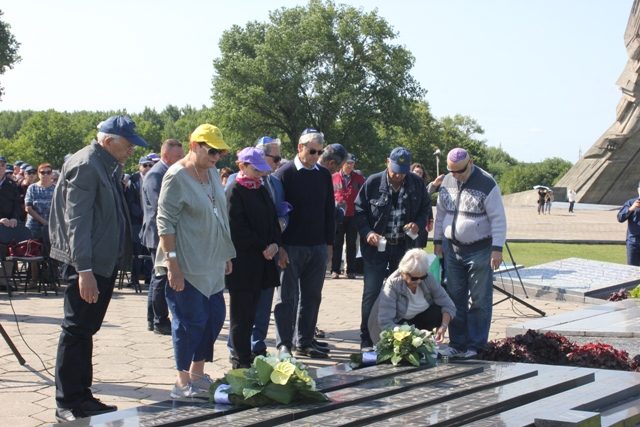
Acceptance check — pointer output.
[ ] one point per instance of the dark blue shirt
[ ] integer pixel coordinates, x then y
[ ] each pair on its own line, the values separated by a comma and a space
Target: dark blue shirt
633, 221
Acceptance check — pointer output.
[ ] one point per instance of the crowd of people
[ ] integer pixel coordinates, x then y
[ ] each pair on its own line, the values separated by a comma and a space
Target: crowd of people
267, 233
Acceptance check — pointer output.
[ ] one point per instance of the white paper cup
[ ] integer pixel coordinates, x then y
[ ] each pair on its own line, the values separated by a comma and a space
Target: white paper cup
411, 234
382, 244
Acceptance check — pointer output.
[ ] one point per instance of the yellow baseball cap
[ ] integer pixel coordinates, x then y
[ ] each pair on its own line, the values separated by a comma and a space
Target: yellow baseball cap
210, 135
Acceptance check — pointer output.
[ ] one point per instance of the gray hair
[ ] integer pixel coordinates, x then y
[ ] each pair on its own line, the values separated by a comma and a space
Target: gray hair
334, 152
311, 137
268, 148
414, 262
103, 135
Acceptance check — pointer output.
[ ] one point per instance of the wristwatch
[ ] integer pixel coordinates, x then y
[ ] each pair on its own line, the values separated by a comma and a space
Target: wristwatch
171, 254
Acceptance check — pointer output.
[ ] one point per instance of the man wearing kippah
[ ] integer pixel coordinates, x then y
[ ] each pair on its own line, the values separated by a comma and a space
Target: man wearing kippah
630, 212
470, 231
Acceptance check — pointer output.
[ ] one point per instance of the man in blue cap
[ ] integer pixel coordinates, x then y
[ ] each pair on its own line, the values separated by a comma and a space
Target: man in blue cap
90, 231
392, 206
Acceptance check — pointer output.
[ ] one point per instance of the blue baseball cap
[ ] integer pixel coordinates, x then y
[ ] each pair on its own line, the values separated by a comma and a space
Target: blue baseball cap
400, 160
153, 157
3, 159
122, 126
9, 169
264, 140
144, 159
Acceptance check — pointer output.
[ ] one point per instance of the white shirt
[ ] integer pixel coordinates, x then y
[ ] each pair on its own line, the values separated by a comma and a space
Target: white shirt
417, 304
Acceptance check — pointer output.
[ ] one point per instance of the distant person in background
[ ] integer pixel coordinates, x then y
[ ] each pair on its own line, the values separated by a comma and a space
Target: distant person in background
571, 196
630, 213
542, 194
38, 204
548, 201
9, 198
225, 173
346, 185
157, 310
30, 177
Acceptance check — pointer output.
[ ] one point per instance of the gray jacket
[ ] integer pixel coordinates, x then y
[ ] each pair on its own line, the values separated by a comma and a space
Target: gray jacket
393, 301
84, 221
151, 185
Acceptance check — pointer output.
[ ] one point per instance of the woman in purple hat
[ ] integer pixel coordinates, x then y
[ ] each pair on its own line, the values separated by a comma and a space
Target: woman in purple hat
255, 232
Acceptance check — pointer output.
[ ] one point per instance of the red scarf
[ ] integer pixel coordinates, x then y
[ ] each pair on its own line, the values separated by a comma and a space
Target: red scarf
250, 183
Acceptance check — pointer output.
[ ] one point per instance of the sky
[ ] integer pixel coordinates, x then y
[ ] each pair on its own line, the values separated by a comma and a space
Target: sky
538, 76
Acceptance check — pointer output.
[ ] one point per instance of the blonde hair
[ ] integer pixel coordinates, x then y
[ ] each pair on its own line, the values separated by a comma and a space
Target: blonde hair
415, 261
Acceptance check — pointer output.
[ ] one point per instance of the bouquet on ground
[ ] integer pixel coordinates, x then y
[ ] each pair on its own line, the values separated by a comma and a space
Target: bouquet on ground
404, 343
269, 380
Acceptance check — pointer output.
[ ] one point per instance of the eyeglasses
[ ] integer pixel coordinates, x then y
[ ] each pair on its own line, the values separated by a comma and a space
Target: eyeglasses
276, 159
45, 172
417, 279
147, 165
31, 173
463, 170
313, 152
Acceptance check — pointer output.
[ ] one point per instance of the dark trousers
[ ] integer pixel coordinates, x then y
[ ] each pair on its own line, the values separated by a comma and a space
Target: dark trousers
243, 305
346, 228
633, 253
74, 367
571, 204
429, 319
157, 309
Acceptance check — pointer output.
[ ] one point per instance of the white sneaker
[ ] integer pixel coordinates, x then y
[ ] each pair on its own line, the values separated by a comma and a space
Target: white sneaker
450, 352
181, 392
202, 384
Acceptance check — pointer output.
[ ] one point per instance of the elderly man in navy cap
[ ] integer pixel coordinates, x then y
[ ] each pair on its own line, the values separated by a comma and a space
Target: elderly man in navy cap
391, 208
470, 231
89, 230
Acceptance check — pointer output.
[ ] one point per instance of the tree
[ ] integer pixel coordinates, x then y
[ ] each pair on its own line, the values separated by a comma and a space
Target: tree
331, 67
8, 49
525, 175
498, 162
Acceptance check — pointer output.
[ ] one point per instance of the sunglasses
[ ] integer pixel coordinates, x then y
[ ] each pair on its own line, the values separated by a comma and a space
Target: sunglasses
45, 172
418, 279
147, 165
463, 170
313, 152
31, 173
276, 159
212, 151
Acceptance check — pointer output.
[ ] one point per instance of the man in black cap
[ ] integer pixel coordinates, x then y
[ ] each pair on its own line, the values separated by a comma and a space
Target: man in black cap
90, 230
9, 197
391, 208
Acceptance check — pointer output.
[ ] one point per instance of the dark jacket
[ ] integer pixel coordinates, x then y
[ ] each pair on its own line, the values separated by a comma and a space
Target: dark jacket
132, 196
254, 226
88, 205
150, 193
9, 199
373, 207
633, 221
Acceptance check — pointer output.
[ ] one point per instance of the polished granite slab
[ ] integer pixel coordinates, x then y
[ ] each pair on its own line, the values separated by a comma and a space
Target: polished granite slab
572, 279
467, 392
620, 319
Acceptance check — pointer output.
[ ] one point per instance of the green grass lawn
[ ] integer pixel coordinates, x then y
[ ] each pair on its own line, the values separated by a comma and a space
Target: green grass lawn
529, 254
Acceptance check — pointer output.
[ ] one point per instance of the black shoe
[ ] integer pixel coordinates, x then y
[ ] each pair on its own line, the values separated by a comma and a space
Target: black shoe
320, 344
366, 346
351, 276
323, 348
312, 352
150, 326
162, 329
93, 406
64, 415
319, 333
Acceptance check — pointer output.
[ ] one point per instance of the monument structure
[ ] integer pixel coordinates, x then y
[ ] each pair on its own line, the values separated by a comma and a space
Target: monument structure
609, 173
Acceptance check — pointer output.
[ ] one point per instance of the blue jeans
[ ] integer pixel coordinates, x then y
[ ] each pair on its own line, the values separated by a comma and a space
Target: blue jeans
260, 324
469, 276
304, 275
196, 321
377, 267
633, 253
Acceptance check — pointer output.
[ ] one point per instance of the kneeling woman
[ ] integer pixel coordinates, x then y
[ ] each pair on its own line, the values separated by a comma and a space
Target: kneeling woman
410, 295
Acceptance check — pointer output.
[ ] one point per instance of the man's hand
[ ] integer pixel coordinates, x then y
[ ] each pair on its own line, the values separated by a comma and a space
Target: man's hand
438, 181
496, 259
411, 226
372, 239
11, 223
283, 258
270, 251
88, 287
228, 267
634, 206
437, 250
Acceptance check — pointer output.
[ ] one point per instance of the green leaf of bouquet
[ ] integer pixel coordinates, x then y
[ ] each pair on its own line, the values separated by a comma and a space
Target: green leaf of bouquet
411, 358
264, 370
249, 392
383, 357
237, 380
395, 359
312, 396
279, 393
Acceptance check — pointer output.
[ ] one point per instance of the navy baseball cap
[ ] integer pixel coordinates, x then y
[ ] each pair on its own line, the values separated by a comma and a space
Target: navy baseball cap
3, 159
122, 126
9, 169
400, 160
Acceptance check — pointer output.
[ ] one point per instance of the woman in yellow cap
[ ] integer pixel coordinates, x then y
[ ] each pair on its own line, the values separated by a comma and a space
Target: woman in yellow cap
195, 252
